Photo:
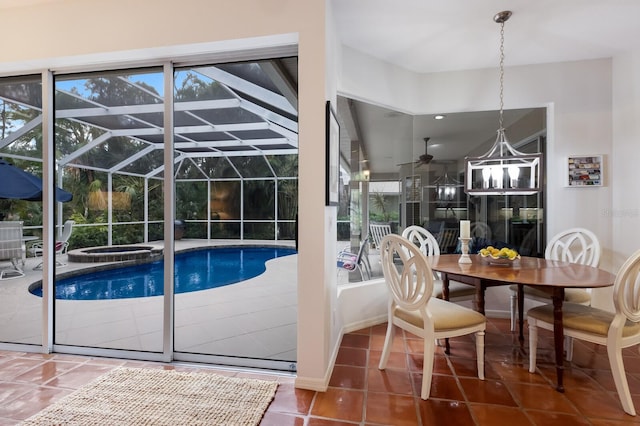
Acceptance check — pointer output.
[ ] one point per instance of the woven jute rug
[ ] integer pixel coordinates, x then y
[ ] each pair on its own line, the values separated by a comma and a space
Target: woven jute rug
136, 396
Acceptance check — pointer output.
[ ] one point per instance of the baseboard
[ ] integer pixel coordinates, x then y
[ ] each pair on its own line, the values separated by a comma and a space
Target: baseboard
321, 385
359, 325
318, 385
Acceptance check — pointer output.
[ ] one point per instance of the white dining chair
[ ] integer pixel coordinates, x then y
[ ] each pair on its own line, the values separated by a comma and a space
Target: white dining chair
412, 308
480, 230
428, 245
574, 245
614, 330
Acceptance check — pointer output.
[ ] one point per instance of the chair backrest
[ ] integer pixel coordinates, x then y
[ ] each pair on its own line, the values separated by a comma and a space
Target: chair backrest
480, 230
363, 258
67, 229
378, 231
448, 239
406, 272
362, 251
422, 238
626, 289
347, 259
575, 245
10, 240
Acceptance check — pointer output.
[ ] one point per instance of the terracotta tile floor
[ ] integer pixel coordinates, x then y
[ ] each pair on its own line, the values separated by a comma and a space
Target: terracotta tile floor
360, 394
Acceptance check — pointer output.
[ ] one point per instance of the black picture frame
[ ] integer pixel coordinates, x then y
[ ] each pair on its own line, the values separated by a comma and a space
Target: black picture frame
332, 157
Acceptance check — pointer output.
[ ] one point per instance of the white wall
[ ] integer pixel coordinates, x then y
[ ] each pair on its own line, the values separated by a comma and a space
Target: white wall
79, 35
625, 170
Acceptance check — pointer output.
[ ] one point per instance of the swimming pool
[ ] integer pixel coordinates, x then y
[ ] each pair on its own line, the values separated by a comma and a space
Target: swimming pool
194, 271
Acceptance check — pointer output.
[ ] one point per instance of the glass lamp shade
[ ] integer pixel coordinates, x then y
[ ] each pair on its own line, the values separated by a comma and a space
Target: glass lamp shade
503, 171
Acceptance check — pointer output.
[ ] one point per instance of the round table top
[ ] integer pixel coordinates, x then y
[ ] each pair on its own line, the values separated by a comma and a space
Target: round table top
526, 270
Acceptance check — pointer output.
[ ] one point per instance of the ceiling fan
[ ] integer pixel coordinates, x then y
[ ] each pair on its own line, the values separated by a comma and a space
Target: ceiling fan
424, 158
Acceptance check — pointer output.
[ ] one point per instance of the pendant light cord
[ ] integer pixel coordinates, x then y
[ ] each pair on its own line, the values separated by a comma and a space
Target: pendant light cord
501, 126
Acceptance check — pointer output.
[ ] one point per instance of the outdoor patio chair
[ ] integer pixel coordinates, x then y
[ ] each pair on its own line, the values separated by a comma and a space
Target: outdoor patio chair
62, 244
350, 261
11, 249
377, 232
448, 239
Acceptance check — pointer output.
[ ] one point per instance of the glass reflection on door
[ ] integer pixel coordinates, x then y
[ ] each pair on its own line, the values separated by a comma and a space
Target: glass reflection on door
236, 183
20, 152
109, 145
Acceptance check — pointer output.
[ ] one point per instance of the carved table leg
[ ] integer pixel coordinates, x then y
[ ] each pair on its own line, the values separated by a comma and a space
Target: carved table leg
479, 299
558, 335
445, 296
521, 313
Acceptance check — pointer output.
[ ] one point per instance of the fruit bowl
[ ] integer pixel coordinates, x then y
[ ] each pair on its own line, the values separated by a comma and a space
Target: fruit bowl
503, 256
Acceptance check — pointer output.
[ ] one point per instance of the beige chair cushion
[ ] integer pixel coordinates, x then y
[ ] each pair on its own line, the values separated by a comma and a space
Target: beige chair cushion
583, 318
456, 289
446, 315
573, 295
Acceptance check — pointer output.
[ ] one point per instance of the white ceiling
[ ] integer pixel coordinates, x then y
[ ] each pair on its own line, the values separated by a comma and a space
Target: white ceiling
449, 35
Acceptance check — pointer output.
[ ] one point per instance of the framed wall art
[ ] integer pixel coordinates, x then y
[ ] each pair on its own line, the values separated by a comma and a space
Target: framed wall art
584, 170
332, 156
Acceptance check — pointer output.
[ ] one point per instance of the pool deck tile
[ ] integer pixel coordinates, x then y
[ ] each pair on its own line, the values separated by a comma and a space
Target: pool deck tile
258, 312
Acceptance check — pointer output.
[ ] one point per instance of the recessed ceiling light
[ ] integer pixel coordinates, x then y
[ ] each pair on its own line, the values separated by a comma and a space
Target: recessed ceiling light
439, 117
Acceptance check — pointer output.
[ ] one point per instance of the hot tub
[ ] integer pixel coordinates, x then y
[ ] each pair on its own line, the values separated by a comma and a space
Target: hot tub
116, 253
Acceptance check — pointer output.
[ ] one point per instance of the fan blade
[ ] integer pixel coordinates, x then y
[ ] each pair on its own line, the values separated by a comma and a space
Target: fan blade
410, 162
416, 164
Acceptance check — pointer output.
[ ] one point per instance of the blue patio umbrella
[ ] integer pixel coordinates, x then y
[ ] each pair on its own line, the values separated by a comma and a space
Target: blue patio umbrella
17, 184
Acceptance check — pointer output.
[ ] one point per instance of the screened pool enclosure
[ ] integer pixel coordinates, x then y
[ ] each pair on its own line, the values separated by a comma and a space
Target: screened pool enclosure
213, 148
234, 139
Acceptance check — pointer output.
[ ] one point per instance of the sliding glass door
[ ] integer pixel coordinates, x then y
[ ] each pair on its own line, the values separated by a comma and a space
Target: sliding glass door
107, 295
238, 198
207, 151
20, 205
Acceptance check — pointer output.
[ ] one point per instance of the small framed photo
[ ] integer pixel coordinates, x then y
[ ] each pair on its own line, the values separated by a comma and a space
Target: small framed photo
333, 157
585, 170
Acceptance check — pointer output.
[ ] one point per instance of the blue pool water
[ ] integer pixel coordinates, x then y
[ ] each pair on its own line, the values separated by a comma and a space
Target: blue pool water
194, 271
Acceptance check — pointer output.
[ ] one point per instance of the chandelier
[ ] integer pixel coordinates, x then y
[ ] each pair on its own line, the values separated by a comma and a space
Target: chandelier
446, 187
503, 170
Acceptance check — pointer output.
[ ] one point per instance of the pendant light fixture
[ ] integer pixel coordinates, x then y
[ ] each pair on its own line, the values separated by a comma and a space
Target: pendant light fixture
503, 170
446, 187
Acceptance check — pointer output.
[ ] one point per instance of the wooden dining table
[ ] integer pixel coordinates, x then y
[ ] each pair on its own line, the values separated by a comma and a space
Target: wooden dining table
549, 276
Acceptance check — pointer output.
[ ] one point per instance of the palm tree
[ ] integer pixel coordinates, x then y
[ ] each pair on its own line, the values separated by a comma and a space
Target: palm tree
379, 202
